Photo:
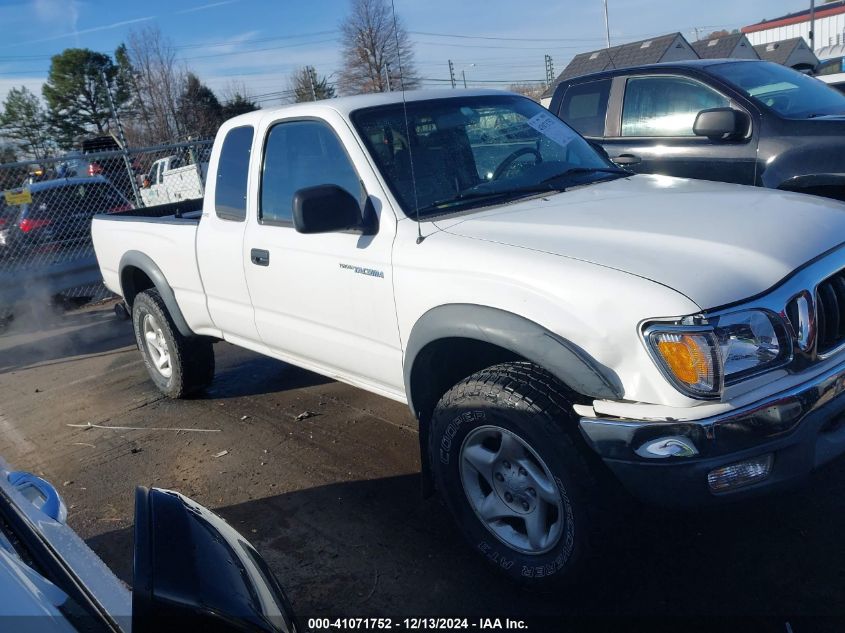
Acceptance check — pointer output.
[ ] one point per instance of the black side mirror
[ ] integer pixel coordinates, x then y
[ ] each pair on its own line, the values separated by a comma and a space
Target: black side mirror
194, 572
721, 124
326, 209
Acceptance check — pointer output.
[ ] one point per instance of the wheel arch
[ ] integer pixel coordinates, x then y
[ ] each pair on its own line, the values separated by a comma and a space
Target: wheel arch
823, 184
139, 273
450, 342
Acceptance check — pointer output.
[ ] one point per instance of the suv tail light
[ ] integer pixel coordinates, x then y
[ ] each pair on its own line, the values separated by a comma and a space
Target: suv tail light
28, 225
94, 169
2, 222
117, 209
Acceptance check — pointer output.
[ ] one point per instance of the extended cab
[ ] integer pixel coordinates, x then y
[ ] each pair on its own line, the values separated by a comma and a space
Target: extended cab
747, 122
548, 317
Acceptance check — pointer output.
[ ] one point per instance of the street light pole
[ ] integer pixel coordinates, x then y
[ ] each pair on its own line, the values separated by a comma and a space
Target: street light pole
606, 24
813, 25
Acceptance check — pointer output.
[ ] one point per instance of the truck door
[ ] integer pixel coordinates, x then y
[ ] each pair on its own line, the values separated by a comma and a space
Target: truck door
220, 239
652, 132
322, 300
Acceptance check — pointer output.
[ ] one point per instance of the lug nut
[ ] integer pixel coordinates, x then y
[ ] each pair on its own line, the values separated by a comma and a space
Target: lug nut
508, 497
522, 472
532, 492
525, 506
506, 464
499, 477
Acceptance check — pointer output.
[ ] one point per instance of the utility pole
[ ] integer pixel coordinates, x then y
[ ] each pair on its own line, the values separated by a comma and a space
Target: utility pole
122, 138
311, 80
813, 25
387, 76
606, 24
550, 70
452, 73
464, 75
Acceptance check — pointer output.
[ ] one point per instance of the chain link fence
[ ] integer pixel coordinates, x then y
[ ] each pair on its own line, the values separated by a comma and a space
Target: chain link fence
46, 208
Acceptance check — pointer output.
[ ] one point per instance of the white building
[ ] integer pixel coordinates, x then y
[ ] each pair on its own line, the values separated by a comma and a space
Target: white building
828, 27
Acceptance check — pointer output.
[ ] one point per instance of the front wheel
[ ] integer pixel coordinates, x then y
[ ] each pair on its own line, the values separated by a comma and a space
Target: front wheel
179, 365
510, 473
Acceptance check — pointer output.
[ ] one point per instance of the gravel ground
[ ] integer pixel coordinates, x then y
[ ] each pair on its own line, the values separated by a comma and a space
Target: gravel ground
332, 500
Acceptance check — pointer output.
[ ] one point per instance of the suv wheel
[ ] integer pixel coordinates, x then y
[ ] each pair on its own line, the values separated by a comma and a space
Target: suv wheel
178, 365
511, 474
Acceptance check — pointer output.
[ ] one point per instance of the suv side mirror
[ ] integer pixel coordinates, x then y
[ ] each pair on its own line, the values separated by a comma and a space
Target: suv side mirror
721, 124
194, 572
326, 209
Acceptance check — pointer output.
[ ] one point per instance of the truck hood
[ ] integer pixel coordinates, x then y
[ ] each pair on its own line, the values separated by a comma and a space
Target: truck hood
713, 242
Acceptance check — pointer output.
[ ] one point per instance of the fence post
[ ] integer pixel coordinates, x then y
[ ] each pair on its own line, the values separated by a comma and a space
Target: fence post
122, 138
192, 152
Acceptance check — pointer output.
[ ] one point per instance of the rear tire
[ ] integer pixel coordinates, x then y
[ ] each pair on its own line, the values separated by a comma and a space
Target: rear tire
179, 365
507, 466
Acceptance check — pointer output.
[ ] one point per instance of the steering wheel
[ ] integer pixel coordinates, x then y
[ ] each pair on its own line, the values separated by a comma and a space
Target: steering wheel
510, 158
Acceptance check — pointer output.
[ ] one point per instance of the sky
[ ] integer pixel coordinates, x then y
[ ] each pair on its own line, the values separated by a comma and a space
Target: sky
258, 43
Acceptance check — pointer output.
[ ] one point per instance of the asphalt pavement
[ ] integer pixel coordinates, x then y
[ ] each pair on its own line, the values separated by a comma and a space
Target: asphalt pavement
323, 479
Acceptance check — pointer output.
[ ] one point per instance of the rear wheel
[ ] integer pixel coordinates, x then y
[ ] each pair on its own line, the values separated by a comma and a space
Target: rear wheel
178, 365
510, 472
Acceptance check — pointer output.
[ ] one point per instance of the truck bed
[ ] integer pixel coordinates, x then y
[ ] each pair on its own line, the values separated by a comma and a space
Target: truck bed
164, 234
181, 212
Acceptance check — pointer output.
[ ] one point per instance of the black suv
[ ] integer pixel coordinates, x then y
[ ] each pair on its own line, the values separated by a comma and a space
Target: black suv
747, 122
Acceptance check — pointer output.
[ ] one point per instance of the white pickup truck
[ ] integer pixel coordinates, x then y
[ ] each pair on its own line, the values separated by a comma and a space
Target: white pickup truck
548, 317
171, 180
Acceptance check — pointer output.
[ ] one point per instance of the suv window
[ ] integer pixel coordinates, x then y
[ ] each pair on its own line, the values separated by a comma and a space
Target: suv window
665, 106
301, 154
584, 106
232, 170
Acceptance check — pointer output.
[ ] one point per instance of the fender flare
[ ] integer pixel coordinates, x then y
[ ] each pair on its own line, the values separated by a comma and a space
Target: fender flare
142, 262
568, 362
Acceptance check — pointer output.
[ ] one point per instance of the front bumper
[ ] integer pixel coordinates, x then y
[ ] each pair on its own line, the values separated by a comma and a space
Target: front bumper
802, 428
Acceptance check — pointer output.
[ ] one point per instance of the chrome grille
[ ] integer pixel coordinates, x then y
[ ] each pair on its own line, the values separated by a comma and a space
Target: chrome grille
830, 313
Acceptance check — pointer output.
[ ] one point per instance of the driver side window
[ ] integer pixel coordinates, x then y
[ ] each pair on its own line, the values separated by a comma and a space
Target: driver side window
666, 106
300, 154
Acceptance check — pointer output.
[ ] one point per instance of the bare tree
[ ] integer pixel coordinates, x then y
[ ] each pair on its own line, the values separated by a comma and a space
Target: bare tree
378, 55
158, 82
532, 91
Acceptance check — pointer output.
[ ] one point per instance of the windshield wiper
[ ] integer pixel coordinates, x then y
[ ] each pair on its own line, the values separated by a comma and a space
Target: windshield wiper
477, 196
574, 171
544, 186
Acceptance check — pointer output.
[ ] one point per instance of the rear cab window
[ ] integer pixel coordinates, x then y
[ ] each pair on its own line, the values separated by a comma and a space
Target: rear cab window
232, 173
584, 106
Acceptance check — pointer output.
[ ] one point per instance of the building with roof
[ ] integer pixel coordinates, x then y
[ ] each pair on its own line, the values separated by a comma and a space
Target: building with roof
828, 28
733, 46
665, 48
794, 52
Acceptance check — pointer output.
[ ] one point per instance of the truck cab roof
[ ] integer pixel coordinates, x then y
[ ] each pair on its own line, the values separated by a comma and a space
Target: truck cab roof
346, 105
696, 64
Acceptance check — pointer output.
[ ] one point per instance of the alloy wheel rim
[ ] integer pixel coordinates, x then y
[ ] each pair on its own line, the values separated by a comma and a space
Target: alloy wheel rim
156, 344
511, 490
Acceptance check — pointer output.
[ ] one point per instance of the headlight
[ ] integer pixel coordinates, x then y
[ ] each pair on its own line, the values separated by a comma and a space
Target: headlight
700, 359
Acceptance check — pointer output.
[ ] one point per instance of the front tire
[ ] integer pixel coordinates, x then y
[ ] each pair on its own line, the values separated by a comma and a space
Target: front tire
179, 365
510, 473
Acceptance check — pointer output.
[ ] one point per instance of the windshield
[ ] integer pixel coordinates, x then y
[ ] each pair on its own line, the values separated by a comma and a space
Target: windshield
786, 91
469, 151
